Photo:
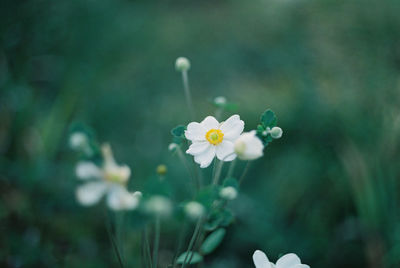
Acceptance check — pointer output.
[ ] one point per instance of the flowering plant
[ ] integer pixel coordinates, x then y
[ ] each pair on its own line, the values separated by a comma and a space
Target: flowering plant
198, 145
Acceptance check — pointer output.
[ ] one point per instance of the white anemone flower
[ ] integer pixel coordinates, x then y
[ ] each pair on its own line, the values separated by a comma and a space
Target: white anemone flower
290, 260
248, 146
109, 180
210, 138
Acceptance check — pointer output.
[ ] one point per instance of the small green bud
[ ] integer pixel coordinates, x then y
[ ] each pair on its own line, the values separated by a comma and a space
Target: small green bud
276, 132
220, 100
161, 169
78, 140
172, 146
182, 64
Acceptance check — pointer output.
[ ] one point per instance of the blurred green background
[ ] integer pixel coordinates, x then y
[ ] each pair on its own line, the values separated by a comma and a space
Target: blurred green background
328, 190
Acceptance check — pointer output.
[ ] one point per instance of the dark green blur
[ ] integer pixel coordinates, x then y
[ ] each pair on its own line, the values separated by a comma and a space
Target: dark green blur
328, 190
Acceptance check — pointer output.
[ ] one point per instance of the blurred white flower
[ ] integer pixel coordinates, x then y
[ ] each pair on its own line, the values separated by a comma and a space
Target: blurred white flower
211, 138
109, 180
194, 210
182, 64
248, 146
286, 261
228, 193
78, 140
159, 205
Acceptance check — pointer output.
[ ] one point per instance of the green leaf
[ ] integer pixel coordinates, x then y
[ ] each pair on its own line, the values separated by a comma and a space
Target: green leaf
178, 131
196, 257
212, 241
268, 119
207, 196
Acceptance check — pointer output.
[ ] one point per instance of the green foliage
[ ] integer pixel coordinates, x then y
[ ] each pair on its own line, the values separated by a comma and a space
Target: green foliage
178, 134
268, 120
231, 182
212, 241
194, 256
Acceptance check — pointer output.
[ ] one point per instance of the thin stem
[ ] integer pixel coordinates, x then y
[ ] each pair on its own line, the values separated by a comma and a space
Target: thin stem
231, 168
185, 79
113, 242
196, 179
156, 241
217, 173
180, 243
192, 240
244, 172
147, 247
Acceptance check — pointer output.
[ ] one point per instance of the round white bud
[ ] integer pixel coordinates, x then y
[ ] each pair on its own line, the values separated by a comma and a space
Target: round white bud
78, 140
194, 210
172, 146
276, 132
182, 64
221, 100
159, 205
228, 193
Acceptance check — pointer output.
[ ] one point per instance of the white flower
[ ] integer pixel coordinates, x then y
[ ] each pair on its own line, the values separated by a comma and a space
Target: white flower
211, 138
109, 180
182, 64
248, 146
194, 210
228, 193
286, 261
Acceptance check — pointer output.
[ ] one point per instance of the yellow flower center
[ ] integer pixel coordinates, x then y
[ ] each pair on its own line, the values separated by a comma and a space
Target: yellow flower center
214, 136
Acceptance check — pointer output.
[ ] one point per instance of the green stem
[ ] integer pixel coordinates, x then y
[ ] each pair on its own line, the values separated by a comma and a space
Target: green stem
217, 173
195, 177
192, 240
147, 247
180, 243
156, 242
185, 80
244, 172
231, 168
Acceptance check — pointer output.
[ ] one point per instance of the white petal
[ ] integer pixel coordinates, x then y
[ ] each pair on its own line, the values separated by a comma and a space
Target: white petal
90, 193
119, 198
210, 123
87, 170
300, 266
198, 147
232, 127
195, 132
225, 151
288, 260
205, 158
260, 260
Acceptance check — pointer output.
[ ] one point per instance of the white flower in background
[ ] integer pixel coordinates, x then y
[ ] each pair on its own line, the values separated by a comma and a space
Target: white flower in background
286, 261
211, 138
194, 210
228, 193
109, 180
182, 64
248, 146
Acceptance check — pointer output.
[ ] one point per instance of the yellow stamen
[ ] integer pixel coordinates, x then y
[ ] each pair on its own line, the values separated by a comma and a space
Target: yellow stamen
214, 136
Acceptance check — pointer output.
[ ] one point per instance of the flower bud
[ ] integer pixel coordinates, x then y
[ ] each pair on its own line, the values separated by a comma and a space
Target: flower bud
276, 132
228, 193
159, 205
78, 140
248, 146
194, 210
182, 64
172, 146
161, 169
220, 100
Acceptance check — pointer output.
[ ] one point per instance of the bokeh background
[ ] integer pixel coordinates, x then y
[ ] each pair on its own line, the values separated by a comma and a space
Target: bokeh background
328, 190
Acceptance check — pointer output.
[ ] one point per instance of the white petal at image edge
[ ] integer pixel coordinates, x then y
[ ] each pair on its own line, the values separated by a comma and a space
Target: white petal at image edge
287, 261
260, 260
90, 193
